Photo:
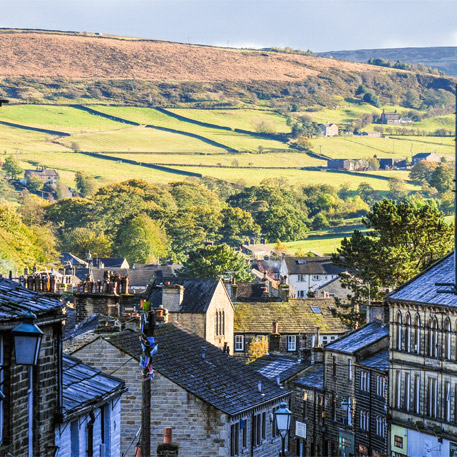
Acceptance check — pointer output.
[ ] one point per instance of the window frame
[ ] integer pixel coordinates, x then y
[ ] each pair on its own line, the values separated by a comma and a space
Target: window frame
291, 342
237, 343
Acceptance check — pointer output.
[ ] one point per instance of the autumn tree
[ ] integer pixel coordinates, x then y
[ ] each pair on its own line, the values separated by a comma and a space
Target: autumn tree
258, 348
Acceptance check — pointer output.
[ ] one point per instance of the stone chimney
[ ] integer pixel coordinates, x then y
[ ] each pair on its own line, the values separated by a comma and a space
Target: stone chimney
284, 290
172, 296
377, 312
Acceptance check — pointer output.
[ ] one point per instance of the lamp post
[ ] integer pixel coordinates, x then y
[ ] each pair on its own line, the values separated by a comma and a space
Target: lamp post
282, 418
27, 341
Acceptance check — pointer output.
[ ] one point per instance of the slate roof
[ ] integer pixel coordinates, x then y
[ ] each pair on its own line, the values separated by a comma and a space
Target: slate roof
314, 378
44, 172
423, 289
273, 365
251, 290
333, 287
218, 379
378, 361
84, 385
198, 293
16, 300
88, 324
311, 266
294, 316
360, 338
111, 262
423, 155
66, 257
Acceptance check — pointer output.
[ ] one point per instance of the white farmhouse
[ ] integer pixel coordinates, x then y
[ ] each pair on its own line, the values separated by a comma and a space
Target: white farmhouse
307, 273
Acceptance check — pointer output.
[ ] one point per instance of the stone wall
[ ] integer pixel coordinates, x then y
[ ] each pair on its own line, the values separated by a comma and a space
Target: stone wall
88, 304
220, 302
78, 427
45, 397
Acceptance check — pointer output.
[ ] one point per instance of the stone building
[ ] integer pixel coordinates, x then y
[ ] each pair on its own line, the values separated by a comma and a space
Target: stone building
328, 129
216, 405
91, 412
46, 175
341, 388
427, 156
201, 305
32, 401
290, 327
305, 274
423, 370
336, 403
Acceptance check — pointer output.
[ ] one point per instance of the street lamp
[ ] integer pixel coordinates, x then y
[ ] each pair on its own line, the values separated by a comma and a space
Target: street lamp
27, 340
282, 418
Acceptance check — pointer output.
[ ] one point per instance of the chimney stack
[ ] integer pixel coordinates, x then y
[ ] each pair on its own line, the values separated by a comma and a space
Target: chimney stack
275, 327
172, 297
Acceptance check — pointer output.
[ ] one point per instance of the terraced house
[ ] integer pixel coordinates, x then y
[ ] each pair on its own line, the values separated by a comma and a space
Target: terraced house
423, 371
290, 326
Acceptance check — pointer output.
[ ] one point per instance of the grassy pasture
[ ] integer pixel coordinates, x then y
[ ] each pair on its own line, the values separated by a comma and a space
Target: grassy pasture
237, 119
139, 139
237, 141
62, 118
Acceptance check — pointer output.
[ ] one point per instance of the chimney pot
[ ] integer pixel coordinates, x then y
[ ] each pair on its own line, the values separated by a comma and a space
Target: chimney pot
168, 435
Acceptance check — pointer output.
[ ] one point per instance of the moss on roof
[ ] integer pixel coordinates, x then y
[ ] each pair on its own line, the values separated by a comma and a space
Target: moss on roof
295, 316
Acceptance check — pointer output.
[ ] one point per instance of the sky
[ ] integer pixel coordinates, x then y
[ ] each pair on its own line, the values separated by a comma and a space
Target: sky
318, 25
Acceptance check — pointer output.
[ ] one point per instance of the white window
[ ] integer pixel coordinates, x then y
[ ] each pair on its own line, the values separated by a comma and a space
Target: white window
398, 343
398, 389
291, 343
301, 278
447, 401
432, 387
380, 386
447, 339
417, 335
407, 390
350, 411
315, 277
239, 343
417, 394
350, 369
365, 381
408, 333
380, 429
301, 294
364, 420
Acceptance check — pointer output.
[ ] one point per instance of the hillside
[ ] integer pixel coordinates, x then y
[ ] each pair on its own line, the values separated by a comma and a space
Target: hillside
443, 58
59, 68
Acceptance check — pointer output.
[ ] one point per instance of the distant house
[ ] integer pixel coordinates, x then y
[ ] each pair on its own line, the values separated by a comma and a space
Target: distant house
258, 251
328, 129
331, 289
46, 175
341, 164
290, 327
216, 405
427, 156
372, 134
391, 163
394, 118
110, 262
201, 305
307, 273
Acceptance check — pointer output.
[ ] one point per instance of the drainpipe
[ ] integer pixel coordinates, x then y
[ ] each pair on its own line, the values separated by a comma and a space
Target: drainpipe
90, 435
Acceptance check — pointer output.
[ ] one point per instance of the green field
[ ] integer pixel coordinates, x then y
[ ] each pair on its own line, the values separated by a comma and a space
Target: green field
150, 116
61, 118
139, 139
237, 119
93, 133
